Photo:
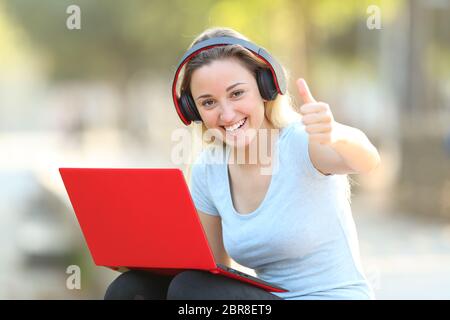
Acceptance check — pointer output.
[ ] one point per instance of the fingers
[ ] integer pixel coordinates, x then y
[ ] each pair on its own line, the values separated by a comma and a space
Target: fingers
304, 91
317, 118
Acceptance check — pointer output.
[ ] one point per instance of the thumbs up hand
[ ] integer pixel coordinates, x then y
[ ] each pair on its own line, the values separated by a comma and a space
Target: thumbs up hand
317, 117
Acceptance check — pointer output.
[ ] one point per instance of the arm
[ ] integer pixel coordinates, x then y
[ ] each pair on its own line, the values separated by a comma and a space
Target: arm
351, 153
213, 229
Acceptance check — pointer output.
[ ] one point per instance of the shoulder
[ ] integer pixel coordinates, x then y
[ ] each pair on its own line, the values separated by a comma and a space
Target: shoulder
211, 155
296, 148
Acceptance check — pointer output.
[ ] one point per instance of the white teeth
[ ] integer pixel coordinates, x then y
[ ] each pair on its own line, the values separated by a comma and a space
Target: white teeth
236, 125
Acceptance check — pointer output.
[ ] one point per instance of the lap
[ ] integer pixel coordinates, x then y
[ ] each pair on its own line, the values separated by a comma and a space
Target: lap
187, 285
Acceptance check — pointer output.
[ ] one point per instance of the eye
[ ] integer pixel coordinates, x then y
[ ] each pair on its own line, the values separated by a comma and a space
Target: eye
207, 103
237, 93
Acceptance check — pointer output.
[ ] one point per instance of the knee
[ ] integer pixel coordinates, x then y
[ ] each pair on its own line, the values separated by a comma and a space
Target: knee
125, 286
186, 285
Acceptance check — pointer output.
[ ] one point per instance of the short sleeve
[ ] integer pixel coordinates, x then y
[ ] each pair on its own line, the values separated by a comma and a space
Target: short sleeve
199, 189
301, 143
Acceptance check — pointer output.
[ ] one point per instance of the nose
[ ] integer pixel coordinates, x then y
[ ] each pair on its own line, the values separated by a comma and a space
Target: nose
227, 114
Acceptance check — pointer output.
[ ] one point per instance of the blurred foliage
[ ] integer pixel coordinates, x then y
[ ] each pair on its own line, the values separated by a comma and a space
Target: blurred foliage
120, 38
116, 37
11, 40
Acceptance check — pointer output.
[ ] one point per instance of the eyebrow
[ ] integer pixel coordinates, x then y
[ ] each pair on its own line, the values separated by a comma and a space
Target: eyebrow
228, 89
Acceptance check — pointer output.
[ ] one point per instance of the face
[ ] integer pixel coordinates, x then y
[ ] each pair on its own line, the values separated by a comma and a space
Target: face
227, 97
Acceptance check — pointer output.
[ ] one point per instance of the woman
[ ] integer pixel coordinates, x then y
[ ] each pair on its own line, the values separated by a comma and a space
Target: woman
285, 212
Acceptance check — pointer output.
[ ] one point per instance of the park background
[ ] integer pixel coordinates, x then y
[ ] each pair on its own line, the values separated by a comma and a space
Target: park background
100, 96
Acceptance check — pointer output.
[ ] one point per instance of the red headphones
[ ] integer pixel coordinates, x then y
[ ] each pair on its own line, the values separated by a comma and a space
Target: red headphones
271, 82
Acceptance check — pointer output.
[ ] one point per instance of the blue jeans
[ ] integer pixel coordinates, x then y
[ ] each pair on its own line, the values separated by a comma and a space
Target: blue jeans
187, 285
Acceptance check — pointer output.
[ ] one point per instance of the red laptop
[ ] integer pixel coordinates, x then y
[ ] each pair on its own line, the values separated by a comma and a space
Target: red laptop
143, 219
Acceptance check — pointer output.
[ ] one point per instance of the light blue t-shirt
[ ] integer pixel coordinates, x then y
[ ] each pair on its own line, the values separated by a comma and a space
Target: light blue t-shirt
302, 236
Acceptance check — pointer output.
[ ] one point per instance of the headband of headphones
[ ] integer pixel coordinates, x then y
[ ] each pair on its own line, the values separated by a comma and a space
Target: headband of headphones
275, 68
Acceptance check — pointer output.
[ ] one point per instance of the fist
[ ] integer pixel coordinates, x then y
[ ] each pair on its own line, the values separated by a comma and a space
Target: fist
317, 117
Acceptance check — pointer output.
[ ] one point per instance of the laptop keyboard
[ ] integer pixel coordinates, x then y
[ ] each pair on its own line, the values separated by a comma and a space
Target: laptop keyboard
231, 270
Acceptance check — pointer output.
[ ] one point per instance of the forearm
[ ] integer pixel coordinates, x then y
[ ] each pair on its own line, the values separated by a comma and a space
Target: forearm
355, 149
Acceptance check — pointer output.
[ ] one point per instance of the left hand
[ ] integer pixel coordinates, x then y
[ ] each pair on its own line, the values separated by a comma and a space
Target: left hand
317, 117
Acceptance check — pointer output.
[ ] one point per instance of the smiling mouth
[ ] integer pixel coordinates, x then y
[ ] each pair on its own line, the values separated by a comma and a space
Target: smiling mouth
236, 126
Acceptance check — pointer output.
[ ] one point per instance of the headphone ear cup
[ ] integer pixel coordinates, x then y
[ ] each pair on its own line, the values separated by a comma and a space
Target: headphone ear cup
266, 84
188, 107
